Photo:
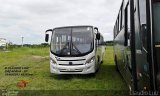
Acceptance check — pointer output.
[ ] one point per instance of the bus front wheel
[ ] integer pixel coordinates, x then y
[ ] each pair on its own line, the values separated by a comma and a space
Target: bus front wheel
116, 64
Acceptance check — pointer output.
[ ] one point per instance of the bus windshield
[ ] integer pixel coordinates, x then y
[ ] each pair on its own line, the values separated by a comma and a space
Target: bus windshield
156, 16
72, 41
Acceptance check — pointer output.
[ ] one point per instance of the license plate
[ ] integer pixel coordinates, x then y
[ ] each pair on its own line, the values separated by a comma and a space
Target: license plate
70, 69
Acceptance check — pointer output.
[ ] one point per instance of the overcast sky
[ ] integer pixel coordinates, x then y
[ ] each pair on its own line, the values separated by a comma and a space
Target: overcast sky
30, 18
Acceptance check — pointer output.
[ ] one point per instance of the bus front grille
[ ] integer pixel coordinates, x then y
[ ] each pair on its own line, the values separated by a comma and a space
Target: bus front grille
71, 65
75, 70
70, 71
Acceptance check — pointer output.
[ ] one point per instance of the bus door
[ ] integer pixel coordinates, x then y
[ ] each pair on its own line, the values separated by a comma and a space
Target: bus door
127, 56
142, 50
156, 30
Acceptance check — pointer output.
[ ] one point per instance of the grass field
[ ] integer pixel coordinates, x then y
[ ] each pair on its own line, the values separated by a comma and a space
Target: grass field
106, 81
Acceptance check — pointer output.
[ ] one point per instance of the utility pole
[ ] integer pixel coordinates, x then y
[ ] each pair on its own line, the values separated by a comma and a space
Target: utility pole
22, 40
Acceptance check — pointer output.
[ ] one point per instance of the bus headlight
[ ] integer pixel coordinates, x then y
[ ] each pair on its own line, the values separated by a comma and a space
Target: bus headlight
90, 60
53, 61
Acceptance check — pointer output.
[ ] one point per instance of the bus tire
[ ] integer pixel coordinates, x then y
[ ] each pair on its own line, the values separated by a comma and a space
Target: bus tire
97, 70
102, 58
92, 74
116, 64
102, 62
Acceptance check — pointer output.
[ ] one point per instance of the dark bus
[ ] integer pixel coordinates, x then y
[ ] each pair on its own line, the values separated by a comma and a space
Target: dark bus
137, 44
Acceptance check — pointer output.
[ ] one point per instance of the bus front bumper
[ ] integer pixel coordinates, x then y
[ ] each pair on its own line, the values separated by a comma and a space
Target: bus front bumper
76, 69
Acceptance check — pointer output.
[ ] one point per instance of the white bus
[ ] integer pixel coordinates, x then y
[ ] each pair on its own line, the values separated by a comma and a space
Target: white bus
3, 43
75, 50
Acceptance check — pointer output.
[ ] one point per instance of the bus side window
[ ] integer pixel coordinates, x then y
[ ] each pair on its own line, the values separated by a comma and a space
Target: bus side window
143, 33
127, 26
120, 20
101, 42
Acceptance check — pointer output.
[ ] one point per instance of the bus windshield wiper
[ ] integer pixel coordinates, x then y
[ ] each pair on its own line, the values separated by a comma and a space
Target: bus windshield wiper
76, 48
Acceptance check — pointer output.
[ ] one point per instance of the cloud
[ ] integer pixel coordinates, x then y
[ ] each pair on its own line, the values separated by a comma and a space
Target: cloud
30, 18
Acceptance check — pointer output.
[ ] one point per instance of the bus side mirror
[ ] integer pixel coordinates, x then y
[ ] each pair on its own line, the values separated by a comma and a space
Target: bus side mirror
98, 36
144, 35
46, 37
143, 29
96, 29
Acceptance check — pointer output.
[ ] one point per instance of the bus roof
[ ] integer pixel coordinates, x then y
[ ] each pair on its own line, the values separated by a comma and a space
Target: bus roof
74, 26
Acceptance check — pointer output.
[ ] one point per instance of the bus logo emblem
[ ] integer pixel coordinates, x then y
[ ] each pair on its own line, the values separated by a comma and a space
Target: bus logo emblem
70, 63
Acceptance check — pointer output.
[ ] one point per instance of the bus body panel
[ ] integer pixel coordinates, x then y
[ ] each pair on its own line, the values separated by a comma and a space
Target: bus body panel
122, 54
141, 55
78, 67
156, 37
147, 49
